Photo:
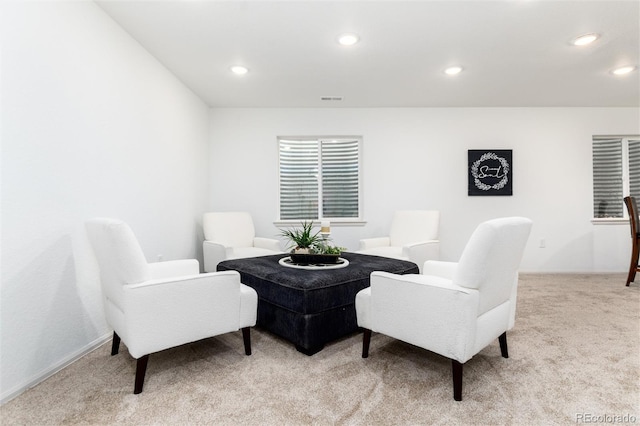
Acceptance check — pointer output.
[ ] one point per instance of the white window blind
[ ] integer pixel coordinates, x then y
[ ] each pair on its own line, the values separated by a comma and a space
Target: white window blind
319, 178
607, 178
616, 174
634, 168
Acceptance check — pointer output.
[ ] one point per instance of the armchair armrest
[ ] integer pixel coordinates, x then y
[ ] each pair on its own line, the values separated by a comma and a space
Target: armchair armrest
168, 312
267, 243
174, 268
213, 254
369, 243
426, 302
420, 252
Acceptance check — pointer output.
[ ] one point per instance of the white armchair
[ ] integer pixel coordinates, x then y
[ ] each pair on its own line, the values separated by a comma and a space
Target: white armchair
231, 235
413, 236
156, 306
453, 309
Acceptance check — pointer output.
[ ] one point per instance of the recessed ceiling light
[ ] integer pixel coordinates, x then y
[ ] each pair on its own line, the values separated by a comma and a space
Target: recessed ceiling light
623, 70
453, 70
583, 40
348, 39
239, 70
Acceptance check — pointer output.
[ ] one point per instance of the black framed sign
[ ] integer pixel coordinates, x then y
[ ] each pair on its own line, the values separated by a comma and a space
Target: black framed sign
490, 172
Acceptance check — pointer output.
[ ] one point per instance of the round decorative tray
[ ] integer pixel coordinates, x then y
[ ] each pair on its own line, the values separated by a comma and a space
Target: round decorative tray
286, 261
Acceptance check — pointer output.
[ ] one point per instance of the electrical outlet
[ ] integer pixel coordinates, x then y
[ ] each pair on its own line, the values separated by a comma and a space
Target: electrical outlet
159, 258
543, 243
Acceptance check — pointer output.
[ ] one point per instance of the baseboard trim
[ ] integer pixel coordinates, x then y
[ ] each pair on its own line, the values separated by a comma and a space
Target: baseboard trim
45, 374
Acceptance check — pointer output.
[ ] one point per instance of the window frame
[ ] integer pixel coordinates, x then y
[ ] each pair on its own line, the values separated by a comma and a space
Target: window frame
625, 179
359, 220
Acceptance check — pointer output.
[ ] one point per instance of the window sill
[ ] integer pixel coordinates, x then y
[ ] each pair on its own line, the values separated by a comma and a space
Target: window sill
610, 221
337, 222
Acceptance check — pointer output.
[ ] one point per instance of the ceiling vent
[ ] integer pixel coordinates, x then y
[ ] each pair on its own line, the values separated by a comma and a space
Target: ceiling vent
331, 98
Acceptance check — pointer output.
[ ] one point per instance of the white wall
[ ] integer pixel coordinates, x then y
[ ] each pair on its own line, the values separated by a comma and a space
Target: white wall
416, 158
92, 125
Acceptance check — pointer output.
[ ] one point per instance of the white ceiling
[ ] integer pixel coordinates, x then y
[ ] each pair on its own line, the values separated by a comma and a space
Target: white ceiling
514, 52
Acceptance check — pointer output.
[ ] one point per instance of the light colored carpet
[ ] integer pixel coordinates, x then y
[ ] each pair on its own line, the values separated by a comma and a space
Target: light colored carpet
574, 355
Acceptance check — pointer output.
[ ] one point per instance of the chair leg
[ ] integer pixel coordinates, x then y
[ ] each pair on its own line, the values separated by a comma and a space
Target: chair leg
503, 345
456, 368
115, 344
366, 340
141, 369
246, 337
633, 267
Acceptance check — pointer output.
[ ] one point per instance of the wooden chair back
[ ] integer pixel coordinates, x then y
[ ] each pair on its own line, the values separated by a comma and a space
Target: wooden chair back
632, 209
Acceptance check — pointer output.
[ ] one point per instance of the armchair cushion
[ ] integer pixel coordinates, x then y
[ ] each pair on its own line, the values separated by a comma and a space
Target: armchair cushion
174, 268
267, 244
440, 268
242, 252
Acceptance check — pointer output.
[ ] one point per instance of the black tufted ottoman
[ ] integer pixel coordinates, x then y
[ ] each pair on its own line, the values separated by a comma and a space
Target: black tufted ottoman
310, 307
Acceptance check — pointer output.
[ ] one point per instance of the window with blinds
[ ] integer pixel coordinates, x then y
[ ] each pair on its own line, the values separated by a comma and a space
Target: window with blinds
319, 178
616, 174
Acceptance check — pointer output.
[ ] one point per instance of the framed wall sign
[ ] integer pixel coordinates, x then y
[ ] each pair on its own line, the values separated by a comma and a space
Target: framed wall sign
490, 172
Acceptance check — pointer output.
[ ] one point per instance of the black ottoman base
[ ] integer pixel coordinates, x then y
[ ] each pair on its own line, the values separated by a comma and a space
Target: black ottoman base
308, 332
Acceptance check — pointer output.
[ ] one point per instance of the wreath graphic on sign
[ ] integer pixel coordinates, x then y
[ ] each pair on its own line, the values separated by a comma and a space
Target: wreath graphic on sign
476, 176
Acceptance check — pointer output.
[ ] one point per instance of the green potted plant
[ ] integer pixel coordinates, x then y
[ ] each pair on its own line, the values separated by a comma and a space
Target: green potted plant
301, 241
310, 248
